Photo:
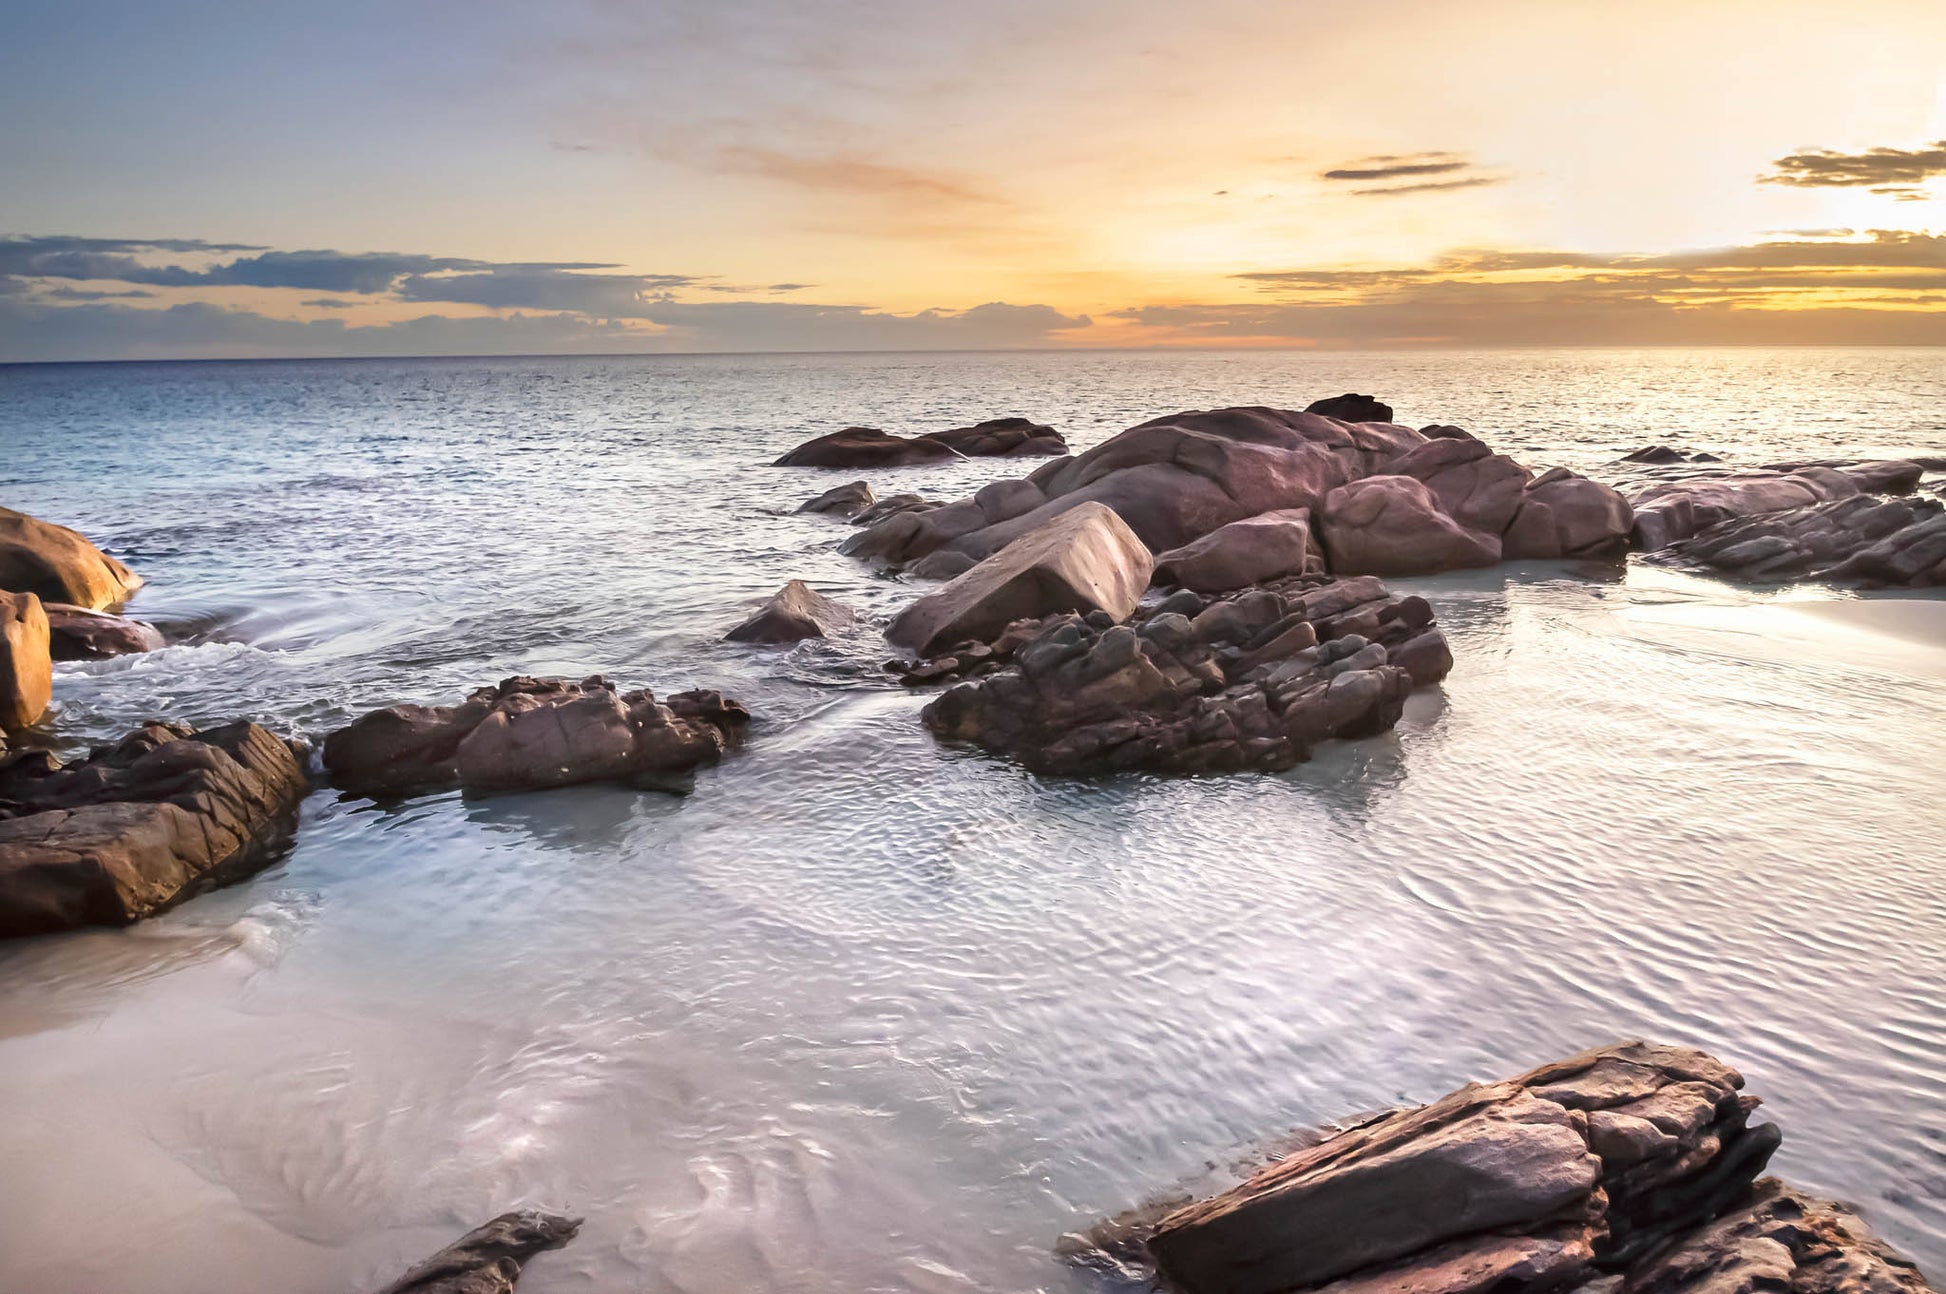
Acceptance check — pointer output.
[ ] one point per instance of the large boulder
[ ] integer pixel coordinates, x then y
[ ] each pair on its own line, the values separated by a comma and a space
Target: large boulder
59, 565
488, 1259
866, 447
1251, 681
1255, 550
1352, 408
141, 825
1564, 515
1002, 438
1476, 487
532, 733
26, 668
793, 613
1085, 559
77, 633
1393, 525
841, 500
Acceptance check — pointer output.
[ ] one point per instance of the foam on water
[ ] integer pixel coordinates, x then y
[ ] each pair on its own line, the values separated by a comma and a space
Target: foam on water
869, 1013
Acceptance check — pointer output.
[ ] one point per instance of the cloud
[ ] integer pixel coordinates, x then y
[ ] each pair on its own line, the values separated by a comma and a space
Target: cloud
791, 326
328, 303
1819, 168
84, 294
1394, 167
543, 287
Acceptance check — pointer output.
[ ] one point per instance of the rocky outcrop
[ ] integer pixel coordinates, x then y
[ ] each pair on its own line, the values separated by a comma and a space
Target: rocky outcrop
141, 825
533, 733
1862, 540
1256, 550
1582, 1168
841, 500
1352, 408
1086, 559
865, 447
26, 668
1564, 515
1393, 525
488, 1259
793, 613
1002, 438
1252, 681
1671, 510
59, 565
76, 633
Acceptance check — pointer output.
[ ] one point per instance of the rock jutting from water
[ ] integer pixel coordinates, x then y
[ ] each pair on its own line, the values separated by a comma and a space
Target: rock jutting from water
1003, 438
59, 565
1631, 1167
795, 612
870, 447
488, 1259
533, 733
841, 500
1351, 407
76, 633
141, 825
1861, 540
1667, 511
26, 664
1255, 680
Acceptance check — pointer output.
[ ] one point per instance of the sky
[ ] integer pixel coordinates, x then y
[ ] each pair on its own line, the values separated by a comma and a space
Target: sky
423, 177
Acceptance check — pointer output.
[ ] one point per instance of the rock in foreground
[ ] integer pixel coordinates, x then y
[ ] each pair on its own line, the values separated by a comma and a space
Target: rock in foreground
1630, 1164
1253, 681
795, 612
59, 565
488, 1259
26, 667
532, 733
141, 825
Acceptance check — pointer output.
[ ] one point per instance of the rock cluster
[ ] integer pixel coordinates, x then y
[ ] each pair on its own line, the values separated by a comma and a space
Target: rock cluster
532, 733
59, 565
870, 447
140, 825
1634, 1160
795, 612
1671, 510
488, 1259
1862, 539
1380, 497
1251, 681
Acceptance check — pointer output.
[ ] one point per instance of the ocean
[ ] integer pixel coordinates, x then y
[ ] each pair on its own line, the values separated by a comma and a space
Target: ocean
869, 1013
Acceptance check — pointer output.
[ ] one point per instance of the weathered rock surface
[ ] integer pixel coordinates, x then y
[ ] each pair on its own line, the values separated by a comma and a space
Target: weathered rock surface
1086, 559
141, 825
26, 667
1573, 1170
76, 633
1256, 550
59, 565
793, 613
1352, 408
891, 506
1863, 540
488, 1259
865, 447
1252, 681
1564, 515
1671, 510
1002, 438
532, 733
841, 500
1393, 525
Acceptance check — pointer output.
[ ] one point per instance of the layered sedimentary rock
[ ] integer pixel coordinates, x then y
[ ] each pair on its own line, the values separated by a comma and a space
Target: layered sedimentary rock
76, 633
1003, 438
140, 825
59, 565
1630, 1164
1671, 510
1862, 540
795, 612
1251, 681
26, 667
1084, 560
841, 500
531, 733
488, 1259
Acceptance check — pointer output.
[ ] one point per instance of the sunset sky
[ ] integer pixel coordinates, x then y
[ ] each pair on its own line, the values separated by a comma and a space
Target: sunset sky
203, 179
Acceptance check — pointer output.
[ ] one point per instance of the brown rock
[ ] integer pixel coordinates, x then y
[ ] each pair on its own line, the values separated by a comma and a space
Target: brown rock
488, 1259
841, 500
1002, 438
1564, 515
1393, 525
793, 613
865, 447
26, 669
1352, 408
1252, 551
59, 565
76, 633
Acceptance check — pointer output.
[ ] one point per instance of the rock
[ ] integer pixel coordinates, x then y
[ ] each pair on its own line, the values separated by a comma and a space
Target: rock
1655, 454
891, 507
58, 565
1881, 476
1477, 488
1862, 539
1252, 551
1672, 510
77, 633
141, 825
1085, 559
1564, 515
26, 668
945, 564
842, 500
1441, 431
1254, 681
533, 733
1352, 408
865, 447
489, 1259
795, 612
1393, 525
1002, 438
1573, 1171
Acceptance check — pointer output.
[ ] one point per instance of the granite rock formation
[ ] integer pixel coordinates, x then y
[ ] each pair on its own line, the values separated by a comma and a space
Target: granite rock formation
59, 565
1861, 540
1671, 510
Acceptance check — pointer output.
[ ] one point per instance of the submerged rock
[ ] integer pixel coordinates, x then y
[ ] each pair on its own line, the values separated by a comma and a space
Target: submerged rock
1863, 540
841, 500
1252, 681
141, 825
533, 733
76, 633
59, 565
26, 666
1002, 438
865, 447
793, 613
488, 1259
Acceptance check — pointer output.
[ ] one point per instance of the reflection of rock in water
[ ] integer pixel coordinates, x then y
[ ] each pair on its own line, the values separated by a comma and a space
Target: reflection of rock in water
584, 819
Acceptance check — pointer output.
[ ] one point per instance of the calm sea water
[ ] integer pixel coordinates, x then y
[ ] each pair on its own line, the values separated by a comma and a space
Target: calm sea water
868, 1014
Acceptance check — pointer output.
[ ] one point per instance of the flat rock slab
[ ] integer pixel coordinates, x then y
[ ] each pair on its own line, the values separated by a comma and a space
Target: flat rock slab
490, 1258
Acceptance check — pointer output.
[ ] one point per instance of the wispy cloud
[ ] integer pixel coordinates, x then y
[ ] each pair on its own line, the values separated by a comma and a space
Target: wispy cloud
1392, 167
1876, 168
1375, 175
